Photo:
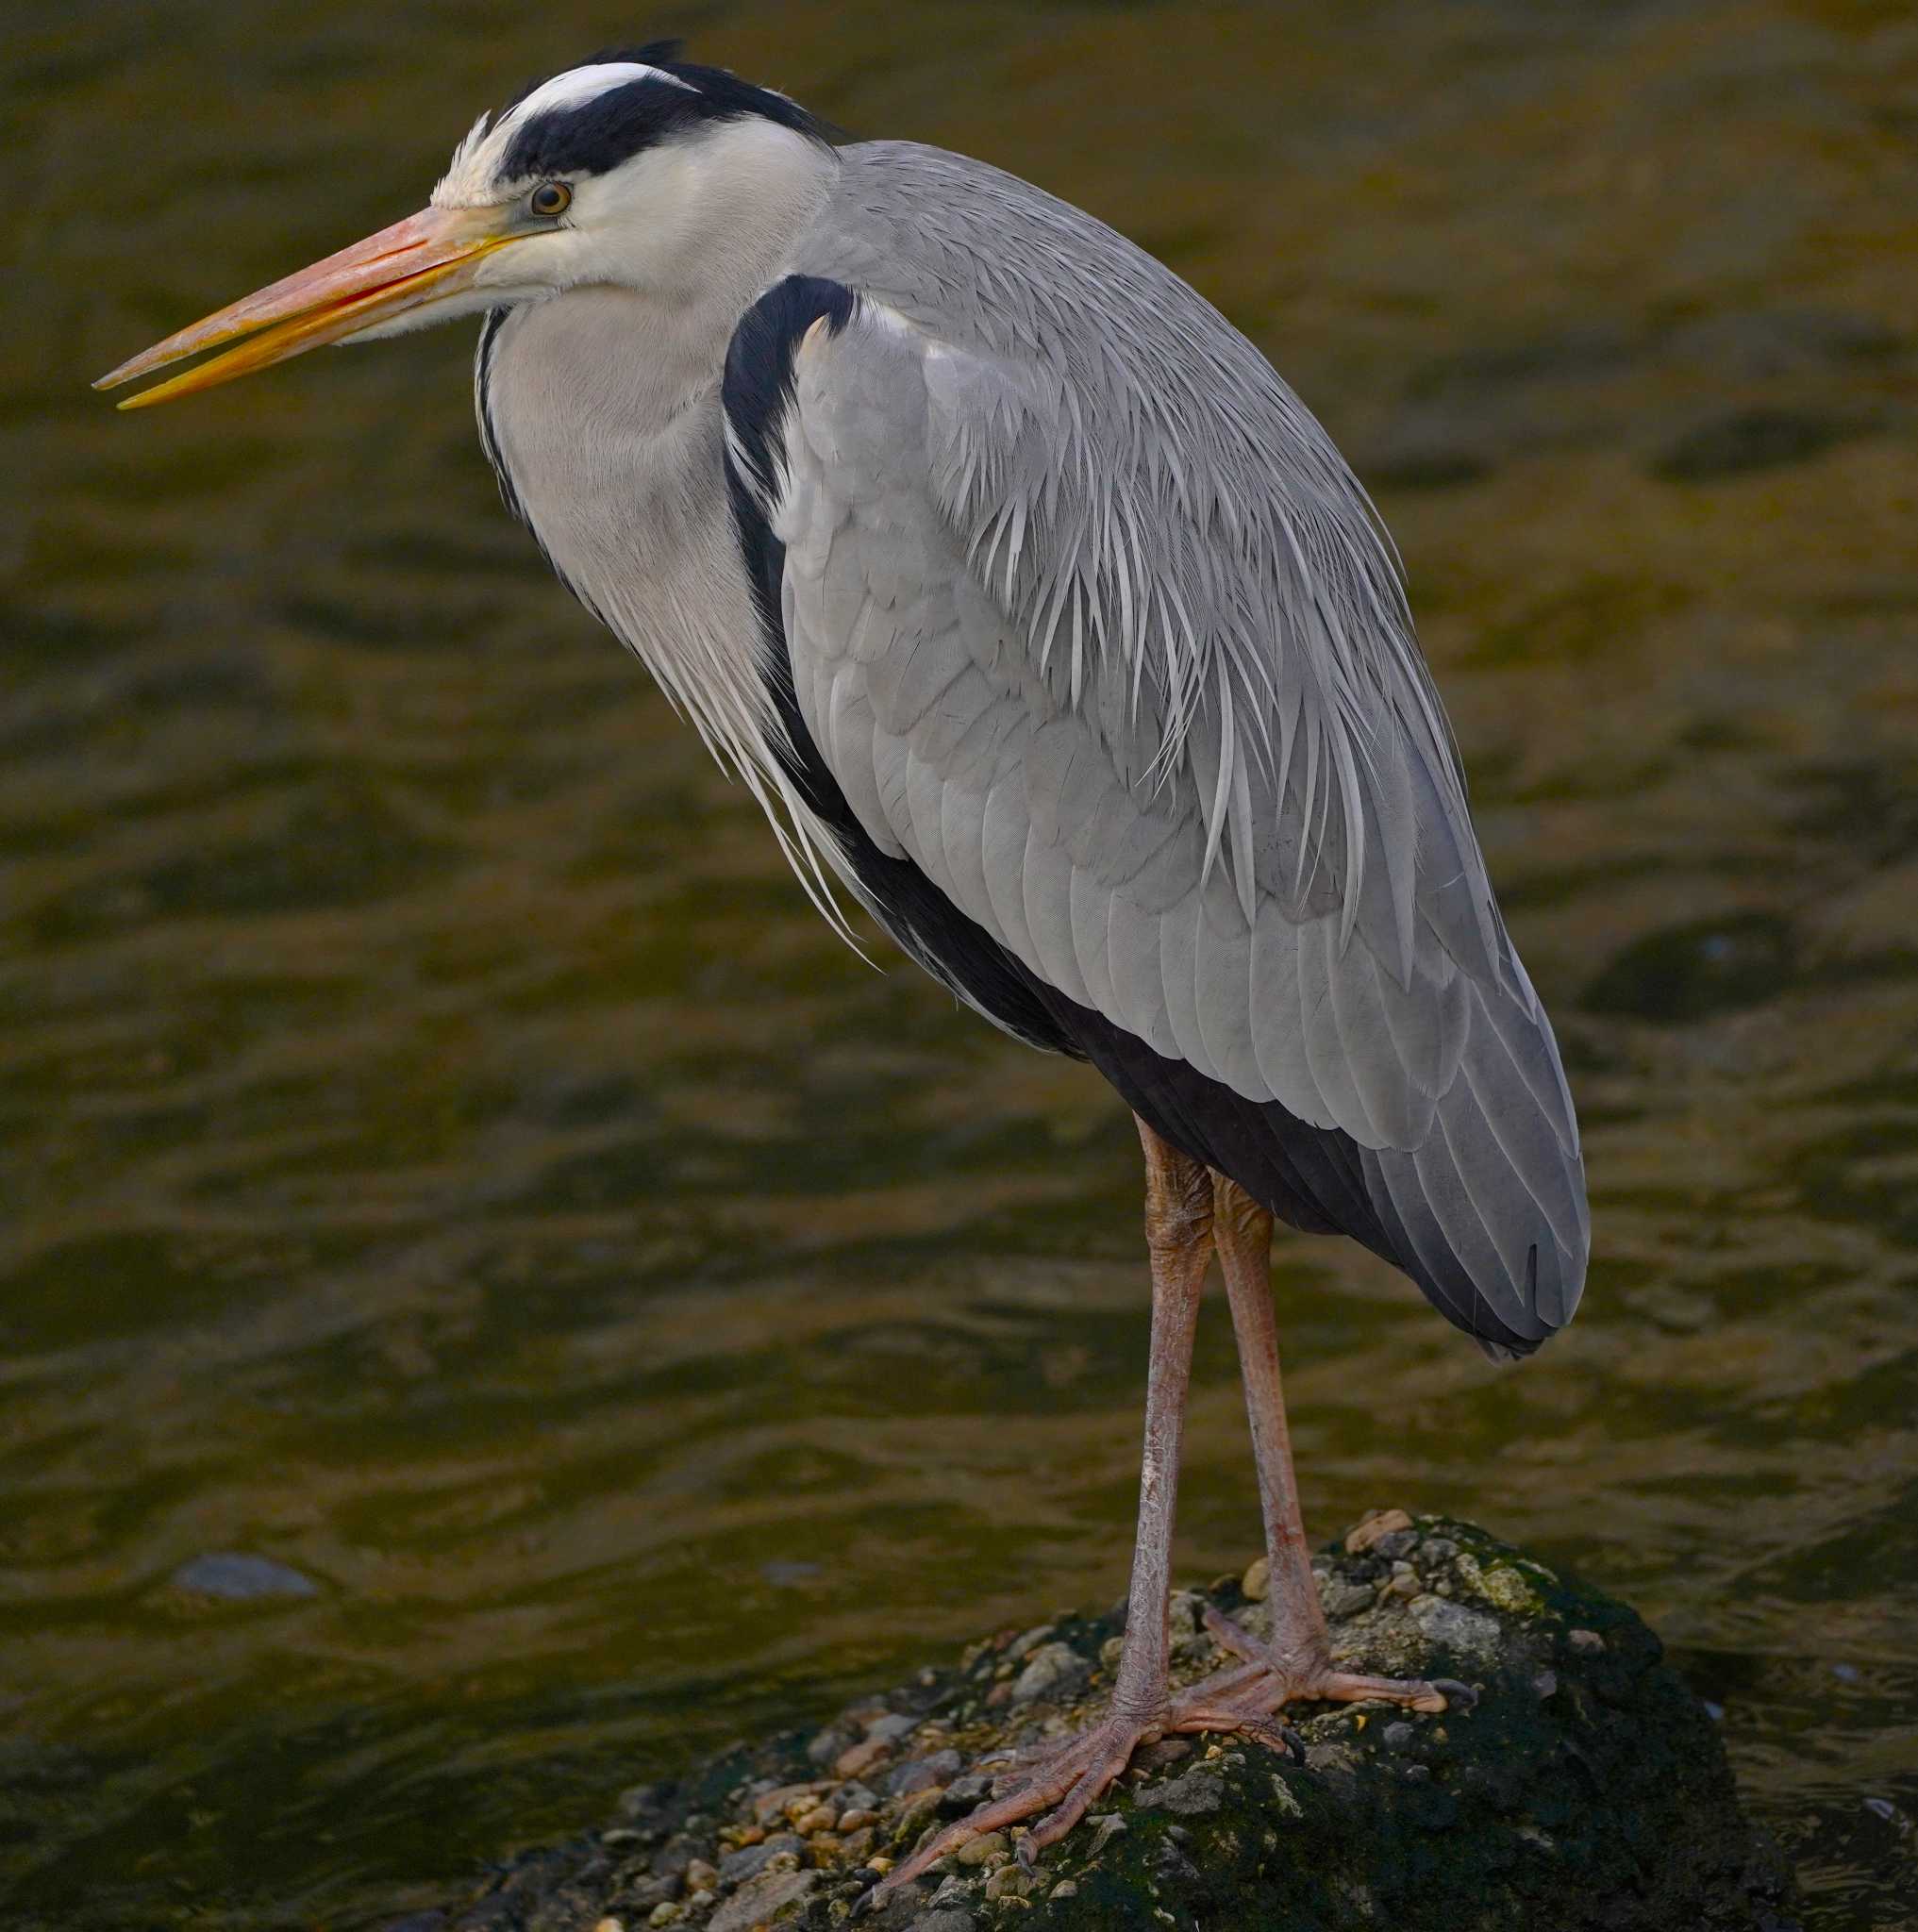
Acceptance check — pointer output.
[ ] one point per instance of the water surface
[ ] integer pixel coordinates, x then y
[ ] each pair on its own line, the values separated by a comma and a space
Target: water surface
441, 1155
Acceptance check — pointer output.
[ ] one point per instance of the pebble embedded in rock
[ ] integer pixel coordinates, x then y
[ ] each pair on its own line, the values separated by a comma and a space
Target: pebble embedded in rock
1026, 1642
1053, 1671
862, 1757
1340, 1599
830, 1743
979, 1850
1381, 1522
769, 1803
1256, 1581
915, 1813
672, 1858
922, 1774
759, 1902
1444, 1622
1191, 1794
735, 1868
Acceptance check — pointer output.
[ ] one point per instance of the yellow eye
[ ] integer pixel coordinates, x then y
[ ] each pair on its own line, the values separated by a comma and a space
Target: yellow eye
551, 198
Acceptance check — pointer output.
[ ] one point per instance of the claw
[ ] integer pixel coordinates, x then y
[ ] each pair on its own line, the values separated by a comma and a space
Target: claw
1274, 1737
1458, 1696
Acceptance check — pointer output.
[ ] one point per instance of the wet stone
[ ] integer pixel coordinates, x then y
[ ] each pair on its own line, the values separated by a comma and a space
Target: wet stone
862, 1757
750, 1861
924, 1774
1340, 1599
831, 1742
755, 1903
237, 1578
1199, 1791
1381, 1524
1026, 1642
1054, 1670
1453, 1628
1605, 1806
672, 1858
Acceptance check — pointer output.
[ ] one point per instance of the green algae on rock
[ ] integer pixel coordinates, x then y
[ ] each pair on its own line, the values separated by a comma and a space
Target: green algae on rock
1587, 1788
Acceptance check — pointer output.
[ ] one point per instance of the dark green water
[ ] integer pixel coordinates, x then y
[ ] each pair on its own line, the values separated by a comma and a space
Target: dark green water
440, 1150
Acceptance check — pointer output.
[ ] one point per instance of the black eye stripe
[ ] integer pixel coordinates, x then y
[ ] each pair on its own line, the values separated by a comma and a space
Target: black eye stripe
599, 134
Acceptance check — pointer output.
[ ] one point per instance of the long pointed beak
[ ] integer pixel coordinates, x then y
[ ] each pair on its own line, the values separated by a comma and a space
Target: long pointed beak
423, 258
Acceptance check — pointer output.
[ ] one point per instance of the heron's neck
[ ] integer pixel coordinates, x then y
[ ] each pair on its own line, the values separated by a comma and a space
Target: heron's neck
600, 408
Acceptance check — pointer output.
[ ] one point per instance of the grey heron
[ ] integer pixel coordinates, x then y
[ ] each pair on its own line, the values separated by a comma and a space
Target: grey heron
1038, 612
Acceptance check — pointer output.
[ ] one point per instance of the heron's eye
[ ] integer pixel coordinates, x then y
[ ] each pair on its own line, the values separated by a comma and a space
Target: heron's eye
550, 198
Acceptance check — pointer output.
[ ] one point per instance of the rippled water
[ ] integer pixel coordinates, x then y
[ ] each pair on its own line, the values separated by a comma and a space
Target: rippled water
441, 1155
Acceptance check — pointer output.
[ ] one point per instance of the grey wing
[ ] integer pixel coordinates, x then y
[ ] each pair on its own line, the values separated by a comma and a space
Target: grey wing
1172, 748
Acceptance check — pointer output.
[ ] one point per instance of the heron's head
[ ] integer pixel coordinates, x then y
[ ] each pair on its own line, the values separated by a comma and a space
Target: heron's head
620, 172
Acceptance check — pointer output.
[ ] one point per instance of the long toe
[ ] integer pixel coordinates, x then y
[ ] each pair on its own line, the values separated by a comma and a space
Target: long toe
1245, 1698
1063, 1785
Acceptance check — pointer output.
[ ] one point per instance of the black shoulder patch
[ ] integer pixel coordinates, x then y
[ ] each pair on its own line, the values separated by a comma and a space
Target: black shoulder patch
758, 363
600, 134
757, 387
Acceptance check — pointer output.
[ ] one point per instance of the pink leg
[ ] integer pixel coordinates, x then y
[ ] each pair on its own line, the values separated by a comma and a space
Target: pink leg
1295, 1663
1178, 1232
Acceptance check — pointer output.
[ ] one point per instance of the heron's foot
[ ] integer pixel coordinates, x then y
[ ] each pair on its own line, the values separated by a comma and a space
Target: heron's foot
1267, 1679
1063, 1782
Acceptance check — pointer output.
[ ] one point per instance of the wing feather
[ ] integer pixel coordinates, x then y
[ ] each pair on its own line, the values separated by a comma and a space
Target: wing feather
1038, 680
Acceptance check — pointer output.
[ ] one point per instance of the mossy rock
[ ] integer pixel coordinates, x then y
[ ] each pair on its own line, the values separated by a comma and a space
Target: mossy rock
1587, 1788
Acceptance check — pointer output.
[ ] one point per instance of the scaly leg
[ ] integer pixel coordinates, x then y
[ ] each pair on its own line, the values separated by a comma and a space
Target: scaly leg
1065, 1782
1295, 1665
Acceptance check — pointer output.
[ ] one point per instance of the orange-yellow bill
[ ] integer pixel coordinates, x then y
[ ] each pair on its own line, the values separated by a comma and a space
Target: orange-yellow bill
427, 255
